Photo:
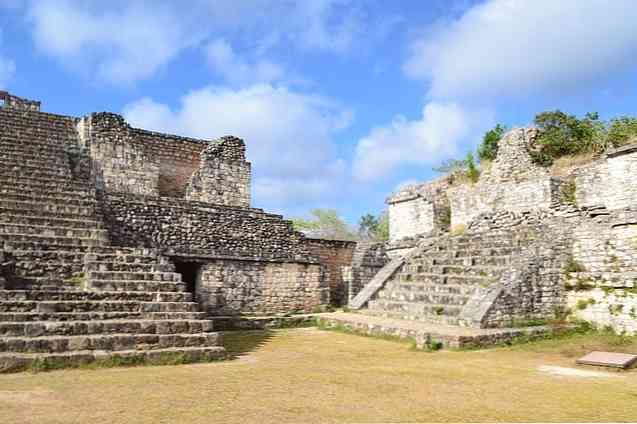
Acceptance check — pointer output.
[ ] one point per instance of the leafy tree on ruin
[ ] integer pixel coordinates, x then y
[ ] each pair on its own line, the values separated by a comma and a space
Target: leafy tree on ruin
372, 227
488, 149
324, 223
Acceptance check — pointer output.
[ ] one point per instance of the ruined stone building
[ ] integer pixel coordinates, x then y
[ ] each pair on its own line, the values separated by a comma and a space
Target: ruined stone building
117, 240
522, 245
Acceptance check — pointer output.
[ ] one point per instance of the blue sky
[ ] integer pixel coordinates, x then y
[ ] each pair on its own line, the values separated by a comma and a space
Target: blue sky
339, 101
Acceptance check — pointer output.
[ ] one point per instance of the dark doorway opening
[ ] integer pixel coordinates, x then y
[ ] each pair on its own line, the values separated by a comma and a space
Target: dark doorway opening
189, 274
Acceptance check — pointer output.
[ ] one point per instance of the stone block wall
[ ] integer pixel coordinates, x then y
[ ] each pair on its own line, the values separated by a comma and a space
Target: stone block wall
367, 260
419, 209
334, 255
610, 181
201, 228
230, 287
13, 102
223, 176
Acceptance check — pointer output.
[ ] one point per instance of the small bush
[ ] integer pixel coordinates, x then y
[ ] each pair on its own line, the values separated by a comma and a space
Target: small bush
473, 173
567, 193
488, 149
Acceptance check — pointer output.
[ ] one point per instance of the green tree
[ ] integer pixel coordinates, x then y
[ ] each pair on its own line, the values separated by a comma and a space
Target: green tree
622, 130
325, 223
473, 173
488, 149
372, 227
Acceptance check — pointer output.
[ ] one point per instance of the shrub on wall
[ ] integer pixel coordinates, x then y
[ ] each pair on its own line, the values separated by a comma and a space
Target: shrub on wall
488, 149
622, 130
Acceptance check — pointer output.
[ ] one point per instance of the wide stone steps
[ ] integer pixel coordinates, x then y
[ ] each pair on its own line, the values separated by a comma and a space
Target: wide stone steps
31, 220
97, 316
140, 285
60, 210
437, 278
129, 267
34, 269
121, 326
415, 308
430, 319
14, 166
56, 176
39, 241
428, 288
126, 258
132, 276
70, 188
34, 159
108, 342
48, 198
12, 362
46, 231
96, 306
424, 298
81, 295
13, 148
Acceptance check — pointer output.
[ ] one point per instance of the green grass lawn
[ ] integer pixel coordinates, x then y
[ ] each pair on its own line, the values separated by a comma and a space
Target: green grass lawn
308, 375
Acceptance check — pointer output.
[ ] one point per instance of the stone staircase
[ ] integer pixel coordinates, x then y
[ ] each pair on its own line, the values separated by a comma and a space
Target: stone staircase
73, 298
435, 282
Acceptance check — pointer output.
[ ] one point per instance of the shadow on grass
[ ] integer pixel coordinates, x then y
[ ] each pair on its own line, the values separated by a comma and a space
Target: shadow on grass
239, 343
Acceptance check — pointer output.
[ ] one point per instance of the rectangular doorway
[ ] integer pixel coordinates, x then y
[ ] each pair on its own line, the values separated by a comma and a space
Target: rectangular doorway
190, 274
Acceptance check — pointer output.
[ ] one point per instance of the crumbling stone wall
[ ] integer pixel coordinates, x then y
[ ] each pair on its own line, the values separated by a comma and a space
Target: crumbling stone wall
334, 255
18, 103
367, 260
512, 183
419, 209
610, 181
223, 176
203, 228
229, 287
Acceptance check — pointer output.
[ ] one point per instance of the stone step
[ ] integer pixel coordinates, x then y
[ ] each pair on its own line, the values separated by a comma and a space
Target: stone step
96, 306
129, 267
96, 316
48, 198
127, 258
34, 157
436, 278
53, 270
54, 176
429, 288
40, 241
47, 209
15, 362
109, 342
12, 147
46, 231
152, 286
432, 319
32, 220
70, 187
498, 261
415, 308
23, 167
122, 326
80, 295
425, 298
134, 276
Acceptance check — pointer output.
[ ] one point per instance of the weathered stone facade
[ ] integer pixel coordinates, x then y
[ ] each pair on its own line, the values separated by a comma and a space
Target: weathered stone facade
522, 248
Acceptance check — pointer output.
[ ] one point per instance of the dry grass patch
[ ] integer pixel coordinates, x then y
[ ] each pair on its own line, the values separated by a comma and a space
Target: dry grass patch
308, 375
563, 166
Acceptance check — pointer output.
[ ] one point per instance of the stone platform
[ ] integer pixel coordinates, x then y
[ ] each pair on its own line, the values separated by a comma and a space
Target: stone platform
426, 334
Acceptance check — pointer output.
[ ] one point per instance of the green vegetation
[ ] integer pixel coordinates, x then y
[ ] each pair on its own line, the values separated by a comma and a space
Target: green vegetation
78, 280
573, 266
568, 191
325, 223
372, 227
585, 303
488, 149
473, 173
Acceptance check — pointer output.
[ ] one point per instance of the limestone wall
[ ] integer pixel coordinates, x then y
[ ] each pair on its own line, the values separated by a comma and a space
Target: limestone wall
202, 228
9, 101
368, 258
334, 255
230, 287
223, 176
611, 181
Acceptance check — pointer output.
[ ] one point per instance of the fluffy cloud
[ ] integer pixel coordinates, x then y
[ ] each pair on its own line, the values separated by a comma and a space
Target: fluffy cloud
506, 47
439, 134
223, 59
126, 41
289, 134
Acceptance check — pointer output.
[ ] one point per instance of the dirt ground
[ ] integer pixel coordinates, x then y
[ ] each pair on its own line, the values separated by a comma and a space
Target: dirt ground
309, 375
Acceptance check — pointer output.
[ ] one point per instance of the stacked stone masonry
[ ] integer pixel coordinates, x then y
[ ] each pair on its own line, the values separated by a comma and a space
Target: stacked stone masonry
104, 253
519, 250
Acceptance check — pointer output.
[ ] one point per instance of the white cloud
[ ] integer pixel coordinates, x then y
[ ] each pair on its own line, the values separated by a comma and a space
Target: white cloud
439, 134
508, 47
223, 59
289, 135
123, 44
127, 41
